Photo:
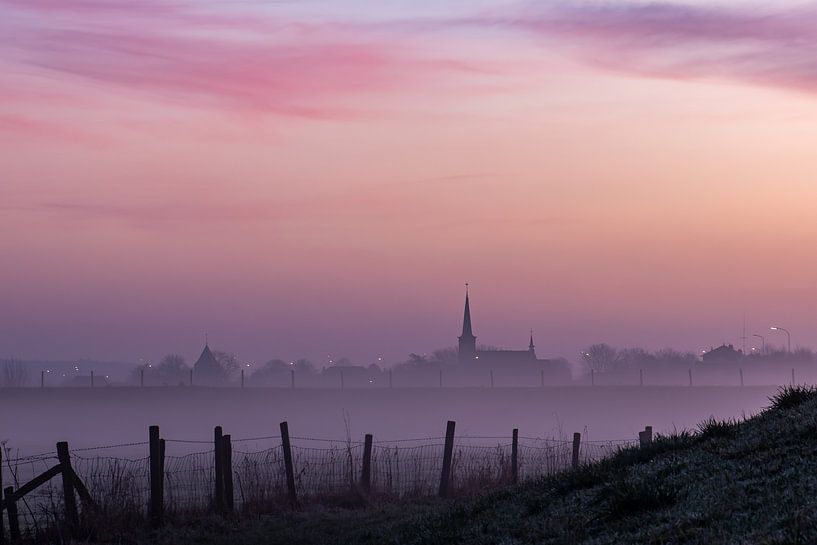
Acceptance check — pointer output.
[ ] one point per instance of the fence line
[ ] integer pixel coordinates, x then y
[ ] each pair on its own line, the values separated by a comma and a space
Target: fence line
258, 480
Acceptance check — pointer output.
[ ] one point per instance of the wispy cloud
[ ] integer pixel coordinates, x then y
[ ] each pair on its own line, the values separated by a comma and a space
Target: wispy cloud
774, 45
226, 59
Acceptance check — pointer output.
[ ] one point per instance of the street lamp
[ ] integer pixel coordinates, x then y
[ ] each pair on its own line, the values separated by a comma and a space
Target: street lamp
762, 343
788, 336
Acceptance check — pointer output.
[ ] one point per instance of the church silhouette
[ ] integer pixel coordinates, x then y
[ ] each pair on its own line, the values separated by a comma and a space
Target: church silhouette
468, 353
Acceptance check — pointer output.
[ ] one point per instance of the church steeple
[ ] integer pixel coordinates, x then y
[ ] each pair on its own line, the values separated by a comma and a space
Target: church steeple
467, 341
531, 346
466, 318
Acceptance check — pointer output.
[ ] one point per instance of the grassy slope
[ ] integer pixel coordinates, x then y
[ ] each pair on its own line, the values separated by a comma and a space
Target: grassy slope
752, 482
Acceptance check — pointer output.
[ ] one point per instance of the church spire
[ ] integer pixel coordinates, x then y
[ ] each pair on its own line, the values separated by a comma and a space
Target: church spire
531, 346
467, 341
466, 318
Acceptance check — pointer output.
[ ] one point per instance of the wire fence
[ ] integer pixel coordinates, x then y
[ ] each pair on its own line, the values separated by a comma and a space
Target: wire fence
118, 476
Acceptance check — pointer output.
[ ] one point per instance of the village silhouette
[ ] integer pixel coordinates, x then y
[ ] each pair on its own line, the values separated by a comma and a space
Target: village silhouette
467, 364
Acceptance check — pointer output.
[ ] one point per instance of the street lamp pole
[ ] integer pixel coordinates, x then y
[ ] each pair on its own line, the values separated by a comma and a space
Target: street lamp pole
762, 343
788, 336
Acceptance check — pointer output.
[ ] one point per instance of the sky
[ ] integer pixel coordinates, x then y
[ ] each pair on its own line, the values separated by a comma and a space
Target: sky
319, 178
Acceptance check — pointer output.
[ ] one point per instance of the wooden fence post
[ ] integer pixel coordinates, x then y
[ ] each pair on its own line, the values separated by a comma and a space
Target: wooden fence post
2, 529
11, 511
71, 514
242, 378
162, 471
366, 472
288, 466
218, 455
292, 378
577, 443
92, 379
227, 471
42, 379
641, 377
515, 456
448, 454
741, 376
156, 477
645, 437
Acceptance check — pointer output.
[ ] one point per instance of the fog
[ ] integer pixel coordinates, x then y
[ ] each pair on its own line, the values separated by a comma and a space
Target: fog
32, 420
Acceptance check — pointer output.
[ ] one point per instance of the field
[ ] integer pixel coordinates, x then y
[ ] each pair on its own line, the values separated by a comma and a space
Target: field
110, 455
748, 482
32, 420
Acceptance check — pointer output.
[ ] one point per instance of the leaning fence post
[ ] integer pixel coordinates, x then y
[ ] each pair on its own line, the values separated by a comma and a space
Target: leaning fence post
290, 469
227, 472
515, 456
11, 510
577, 443
242, 378
71, 513
219, 468
156, 500
92, 379
448, 454
366, 472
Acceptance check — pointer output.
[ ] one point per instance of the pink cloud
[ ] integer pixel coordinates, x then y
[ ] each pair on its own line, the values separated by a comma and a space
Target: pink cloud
38, 129
207, 60
773, 46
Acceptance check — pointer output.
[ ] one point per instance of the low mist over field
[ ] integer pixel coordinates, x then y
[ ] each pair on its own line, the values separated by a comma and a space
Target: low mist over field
33, 420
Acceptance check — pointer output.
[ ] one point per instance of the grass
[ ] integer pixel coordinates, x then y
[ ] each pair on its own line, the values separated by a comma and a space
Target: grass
749, 482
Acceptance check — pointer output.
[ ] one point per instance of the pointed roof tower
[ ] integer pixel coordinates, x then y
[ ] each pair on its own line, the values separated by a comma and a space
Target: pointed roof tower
467, 341
466, 318
207, 360
531, 346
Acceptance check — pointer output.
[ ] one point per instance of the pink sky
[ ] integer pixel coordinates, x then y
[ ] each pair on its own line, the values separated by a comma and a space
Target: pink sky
317, 178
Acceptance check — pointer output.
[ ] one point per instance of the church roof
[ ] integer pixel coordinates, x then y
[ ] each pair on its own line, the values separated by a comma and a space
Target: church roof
207, 360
